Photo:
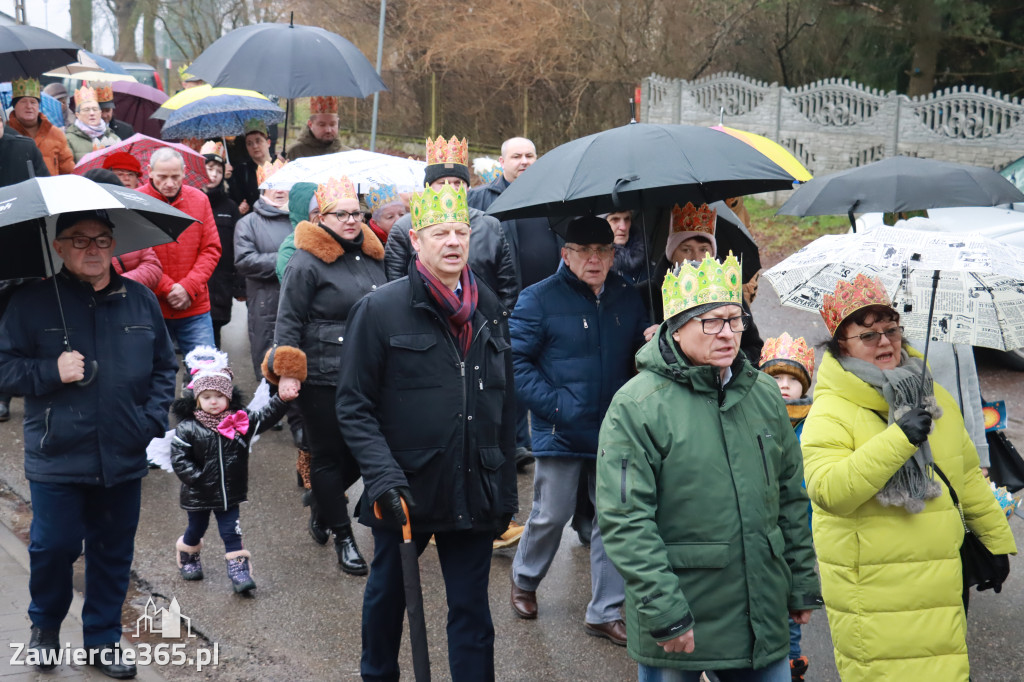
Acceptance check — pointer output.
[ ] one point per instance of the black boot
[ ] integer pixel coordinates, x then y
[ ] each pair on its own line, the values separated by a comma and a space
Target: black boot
349, 558
109, 660
319, 534
46, 643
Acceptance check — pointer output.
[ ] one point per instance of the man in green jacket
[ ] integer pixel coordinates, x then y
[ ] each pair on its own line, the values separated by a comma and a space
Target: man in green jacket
699, 495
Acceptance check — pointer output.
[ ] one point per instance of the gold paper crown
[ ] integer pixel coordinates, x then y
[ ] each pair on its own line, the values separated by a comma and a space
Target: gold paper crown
212, 148
433, 208
264, 172
184, 75
323, 105
850, 297
690, 218
105, 93
382, 196
710, 282
452, 151
255, 125
334, 190
85, 94
784, 352
25, 87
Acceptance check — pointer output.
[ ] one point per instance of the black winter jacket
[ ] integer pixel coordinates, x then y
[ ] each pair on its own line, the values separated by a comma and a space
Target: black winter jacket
321, 284
490, 255
416, 414
224, 283
15, 150
214, 471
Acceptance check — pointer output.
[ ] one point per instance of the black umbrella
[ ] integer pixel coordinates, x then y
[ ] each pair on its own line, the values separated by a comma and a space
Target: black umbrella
27, 51
900, 184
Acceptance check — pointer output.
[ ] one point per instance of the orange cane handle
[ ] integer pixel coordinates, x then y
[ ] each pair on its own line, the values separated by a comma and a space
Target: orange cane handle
407, 527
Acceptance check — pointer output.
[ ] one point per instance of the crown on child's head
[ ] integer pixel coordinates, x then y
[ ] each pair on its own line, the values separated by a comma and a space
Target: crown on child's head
786, 355
691, 218
850, 297
686, 286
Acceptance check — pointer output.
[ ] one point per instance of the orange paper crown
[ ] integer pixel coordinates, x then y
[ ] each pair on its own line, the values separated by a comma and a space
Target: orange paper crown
105, 93
689, 218
334, 190
212, 148
85, 94
786, 355
452, 151
323, 105
264, 172
850, 297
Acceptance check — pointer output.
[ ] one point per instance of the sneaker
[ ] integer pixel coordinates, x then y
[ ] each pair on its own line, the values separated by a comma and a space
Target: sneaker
46, 643
798, 668
510, 538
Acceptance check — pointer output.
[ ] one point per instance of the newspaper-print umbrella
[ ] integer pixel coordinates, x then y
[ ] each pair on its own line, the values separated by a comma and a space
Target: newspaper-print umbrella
365, 169
142, 147
219, 116
954, 288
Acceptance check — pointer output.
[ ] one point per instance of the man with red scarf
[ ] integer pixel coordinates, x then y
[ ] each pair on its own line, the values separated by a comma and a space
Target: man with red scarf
426, 403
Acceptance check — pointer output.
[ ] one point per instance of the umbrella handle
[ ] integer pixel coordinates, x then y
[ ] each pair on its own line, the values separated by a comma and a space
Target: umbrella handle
95, 372
406, 528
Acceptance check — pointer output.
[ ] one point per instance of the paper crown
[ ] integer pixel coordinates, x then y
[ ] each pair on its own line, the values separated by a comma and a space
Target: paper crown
212, 148
25, 87
850, 297
381, 196
255, 125
323, 105
787, 355
185, 76
690, 218
334, 190
104, 93
710, 282
486, 168
452, 151
264, 172
85, 94
433, 208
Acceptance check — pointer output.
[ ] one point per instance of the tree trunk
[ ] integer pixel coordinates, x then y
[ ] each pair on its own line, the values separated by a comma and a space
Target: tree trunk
81, 23
127, 19
927, 38
149, 32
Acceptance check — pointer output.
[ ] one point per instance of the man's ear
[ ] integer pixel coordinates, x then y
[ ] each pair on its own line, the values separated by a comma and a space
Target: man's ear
414, 239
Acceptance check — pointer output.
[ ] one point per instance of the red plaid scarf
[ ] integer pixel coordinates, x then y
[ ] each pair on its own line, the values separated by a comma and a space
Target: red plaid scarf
459, 311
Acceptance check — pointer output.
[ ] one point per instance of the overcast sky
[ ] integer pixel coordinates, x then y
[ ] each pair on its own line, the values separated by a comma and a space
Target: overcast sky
55, 16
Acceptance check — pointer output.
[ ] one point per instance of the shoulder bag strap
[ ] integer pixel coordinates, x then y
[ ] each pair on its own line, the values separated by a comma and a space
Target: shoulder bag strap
952, 493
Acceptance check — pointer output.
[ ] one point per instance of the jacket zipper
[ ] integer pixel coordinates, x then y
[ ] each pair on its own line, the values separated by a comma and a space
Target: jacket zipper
764, 459
46, 428
220, 462
622, 487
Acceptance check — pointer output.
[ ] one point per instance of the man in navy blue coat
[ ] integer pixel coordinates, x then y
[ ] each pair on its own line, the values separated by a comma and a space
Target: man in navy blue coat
574, 336
89, 414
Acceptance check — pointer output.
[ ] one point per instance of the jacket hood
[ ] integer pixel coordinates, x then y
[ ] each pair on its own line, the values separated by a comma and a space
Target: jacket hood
183, 407
315, 240
833, 379
268, 210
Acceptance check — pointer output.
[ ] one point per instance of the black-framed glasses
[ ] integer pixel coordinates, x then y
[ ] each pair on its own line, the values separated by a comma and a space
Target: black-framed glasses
872, 338
714, 325
80, 241
345, 216
587, 251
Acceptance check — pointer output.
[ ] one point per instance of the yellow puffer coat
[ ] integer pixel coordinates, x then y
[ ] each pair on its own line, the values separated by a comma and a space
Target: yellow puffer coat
891, 579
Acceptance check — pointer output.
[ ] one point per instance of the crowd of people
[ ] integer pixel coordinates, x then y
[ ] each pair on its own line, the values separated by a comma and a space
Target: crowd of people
417, 343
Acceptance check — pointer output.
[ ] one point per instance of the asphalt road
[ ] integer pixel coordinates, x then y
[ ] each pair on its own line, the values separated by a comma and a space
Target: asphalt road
304, 621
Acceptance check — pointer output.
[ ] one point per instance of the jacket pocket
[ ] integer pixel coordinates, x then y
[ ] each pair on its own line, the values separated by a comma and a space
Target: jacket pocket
429, 480
491, 460
409, 358
683, 555
777, 542
329, 340
494, 366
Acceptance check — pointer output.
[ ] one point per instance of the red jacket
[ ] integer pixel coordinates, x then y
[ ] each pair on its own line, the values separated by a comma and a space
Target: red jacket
142, 266
189, 261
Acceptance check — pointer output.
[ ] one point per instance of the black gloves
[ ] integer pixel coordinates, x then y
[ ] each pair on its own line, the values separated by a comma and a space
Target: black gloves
389, 505
916, 424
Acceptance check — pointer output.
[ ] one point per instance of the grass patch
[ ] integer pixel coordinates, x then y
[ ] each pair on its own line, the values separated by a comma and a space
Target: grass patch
779, 236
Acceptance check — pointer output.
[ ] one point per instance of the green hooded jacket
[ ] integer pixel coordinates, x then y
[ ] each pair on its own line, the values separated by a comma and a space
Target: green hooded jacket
702, 510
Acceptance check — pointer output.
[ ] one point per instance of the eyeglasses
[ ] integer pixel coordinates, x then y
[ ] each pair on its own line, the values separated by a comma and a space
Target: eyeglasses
588, 251
872, 338
88, 110
714, 325
82, 242
345, 216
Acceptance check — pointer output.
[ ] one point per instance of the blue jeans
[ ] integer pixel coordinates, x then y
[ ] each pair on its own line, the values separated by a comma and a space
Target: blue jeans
64, 516
794, 639
189, 332
775, 672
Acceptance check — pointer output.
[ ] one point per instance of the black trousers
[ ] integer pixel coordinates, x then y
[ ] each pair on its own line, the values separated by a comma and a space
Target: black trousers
333, 469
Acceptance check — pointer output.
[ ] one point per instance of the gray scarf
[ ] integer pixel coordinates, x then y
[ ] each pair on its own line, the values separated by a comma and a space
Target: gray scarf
914, 482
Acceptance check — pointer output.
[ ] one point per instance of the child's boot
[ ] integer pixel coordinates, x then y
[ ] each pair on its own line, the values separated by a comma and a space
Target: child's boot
240, 571
798, 668
188, 560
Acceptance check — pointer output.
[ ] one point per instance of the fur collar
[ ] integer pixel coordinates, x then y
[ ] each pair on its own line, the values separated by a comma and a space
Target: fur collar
315, 240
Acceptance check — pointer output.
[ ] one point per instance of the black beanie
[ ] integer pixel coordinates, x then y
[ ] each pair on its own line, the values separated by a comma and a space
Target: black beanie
589, 229
436, 171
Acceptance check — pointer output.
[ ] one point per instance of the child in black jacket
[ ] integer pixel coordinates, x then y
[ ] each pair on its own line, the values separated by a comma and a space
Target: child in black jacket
210, 454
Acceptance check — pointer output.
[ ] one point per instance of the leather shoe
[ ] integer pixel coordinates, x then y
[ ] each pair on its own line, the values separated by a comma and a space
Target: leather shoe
5, 411
46, 642
319, 534
524, 602
349, 558
113, 667
614, 631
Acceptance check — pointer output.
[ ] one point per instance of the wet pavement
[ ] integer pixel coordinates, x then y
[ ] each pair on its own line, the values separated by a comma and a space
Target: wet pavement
303, 622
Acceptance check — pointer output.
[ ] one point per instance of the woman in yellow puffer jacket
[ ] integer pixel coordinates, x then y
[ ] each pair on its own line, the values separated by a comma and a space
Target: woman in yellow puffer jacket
886, 531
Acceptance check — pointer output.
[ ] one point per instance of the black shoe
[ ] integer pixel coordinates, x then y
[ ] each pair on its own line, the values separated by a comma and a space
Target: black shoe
319, 534
524, 458
113, 667
5, 411
349, 558
299, 439
46, 642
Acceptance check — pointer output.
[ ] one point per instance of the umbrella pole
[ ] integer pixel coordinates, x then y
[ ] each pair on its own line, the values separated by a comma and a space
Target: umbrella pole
647, 264
287, 114
928, 331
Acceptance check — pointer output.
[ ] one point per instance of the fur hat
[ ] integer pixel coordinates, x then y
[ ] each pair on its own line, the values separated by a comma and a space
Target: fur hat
210, 371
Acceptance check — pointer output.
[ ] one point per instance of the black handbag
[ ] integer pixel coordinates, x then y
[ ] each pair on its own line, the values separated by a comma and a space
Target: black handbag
981, 568
1006, 468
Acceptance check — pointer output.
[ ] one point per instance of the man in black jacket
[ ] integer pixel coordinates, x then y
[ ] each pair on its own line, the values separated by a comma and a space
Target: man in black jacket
425, 402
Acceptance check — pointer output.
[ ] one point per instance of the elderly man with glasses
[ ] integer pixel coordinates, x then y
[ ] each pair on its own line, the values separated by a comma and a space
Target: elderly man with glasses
574, 335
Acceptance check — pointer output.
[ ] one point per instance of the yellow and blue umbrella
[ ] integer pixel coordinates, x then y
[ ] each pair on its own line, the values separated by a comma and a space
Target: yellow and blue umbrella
770, 148
219, 116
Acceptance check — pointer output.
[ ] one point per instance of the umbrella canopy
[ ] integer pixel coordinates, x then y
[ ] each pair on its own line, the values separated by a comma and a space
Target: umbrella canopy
134, 103
27, 51
105, 77
48, 105
976, 284
898, 184
83, 63
289, 61
636, 166
219, 116
770, 148
142, 147
106, 64
365, 169
140, 221
195, 94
